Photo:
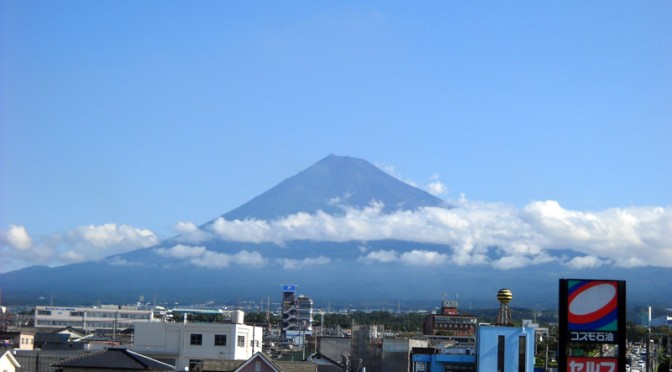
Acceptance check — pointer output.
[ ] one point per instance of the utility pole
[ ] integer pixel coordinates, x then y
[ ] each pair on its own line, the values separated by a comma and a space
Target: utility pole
648, 347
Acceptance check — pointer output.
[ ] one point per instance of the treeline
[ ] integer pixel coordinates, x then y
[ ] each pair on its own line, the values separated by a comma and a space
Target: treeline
405, 322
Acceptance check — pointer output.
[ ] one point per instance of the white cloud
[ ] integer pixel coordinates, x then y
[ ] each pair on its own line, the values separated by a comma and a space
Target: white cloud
585, 262
525, 236
424, 258
248, 259
111, 235
181, 251
72, 256
340, 200
255, 231
381, 256
540, 232
83, 243
437, 188
519, 261
16, 237
190, 232
202, 257
628, 236
293, 264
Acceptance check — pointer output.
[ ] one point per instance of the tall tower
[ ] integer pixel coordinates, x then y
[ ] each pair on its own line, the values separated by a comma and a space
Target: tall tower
297, 313
288, 308
504, 296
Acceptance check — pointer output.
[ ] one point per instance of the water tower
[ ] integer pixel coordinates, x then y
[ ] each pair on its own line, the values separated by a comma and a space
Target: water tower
504, 296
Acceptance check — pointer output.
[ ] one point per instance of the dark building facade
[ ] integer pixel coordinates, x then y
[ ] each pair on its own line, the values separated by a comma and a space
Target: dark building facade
450, 323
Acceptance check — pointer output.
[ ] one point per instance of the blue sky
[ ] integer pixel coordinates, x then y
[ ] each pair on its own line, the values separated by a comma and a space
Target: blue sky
141, 115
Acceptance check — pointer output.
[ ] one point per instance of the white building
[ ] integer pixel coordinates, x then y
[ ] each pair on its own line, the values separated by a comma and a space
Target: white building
109, 317
189, 344
661, 321
7, 362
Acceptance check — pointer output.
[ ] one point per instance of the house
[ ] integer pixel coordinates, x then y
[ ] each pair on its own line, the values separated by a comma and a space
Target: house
20, 340
326, 364
72, 332
59, 339
40, 360
8, 363
111, 360
260, 362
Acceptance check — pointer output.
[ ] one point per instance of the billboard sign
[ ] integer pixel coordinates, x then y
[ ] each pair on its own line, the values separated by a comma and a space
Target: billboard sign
289, 288
591, 312
592, 364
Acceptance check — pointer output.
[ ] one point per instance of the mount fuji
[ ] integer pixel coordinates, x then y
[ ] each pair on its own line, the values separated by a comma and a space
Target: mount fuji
333, 230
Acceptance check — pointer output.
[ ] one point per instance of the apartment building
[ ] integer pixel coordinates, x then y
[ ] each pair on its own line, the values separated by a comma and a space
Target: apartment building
190, 344
105, 317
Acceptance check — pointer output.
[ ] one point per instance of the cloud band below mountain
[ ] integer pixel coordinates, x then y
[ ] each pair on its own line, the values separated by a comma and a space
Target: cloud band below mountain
626, 237
540, 232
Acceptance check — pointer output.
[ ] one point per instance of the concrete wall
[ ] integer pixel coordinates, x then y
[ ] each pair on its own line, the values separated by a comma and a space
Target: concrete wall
334, 347
396, 353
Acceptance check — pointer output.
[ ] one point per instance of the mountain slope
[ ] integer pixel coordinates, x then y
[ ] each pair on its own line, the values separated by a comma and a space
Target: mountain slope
330, 184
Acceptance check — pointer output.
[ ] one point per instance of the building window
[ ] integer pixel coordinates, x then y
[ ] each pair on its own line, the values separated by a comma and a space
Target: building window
501, 342
43, 312
521, 353
196, 339
241, 341
220, 340
460, 368
195, 365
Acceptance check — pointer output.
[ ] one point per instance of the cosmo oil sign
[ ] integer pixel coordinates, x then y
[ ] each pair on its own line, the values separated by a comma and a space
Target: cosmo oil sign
591, 312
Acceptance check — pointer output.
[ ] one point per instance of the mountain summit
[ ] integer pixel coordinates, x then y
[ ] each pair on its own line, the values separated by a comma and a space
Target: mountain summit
331, 184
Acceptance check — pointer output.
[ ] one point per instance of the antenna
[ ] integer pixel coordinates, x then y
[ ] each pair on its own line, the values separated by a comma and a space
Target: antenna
321, 322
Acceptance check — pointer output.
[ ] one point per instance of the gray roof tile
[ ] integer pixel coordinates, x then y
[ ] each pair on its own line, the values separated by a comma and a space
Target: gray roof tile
114, 358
